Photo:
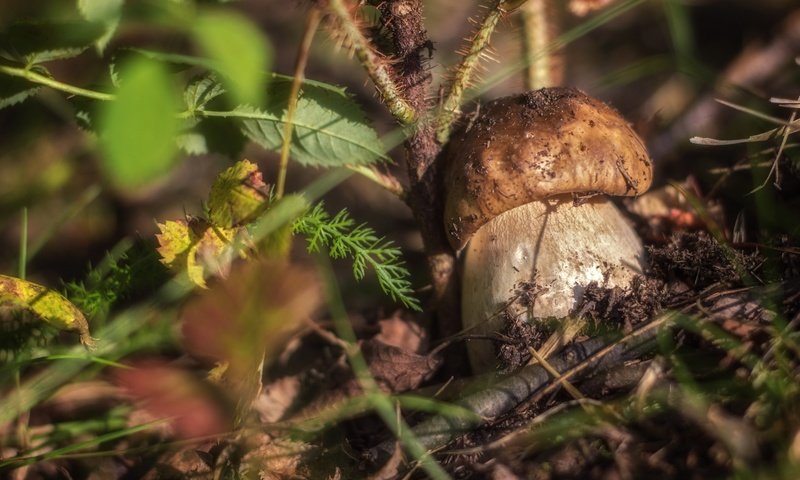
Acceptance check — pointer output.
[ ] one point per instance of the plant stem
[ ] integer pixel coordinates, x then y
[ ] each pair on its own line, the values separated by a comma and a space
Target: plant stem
23, 245
312, 22
376, 67
538, 30
52, 83
463, 76
387, 181
379, 401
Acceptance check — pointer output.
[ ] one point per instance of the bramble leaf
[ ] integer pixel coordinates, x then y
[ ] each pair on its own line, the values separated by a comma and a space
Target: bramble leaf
138, 129
32, 43
15, 90
201, 91
330, 129
105, 12
239, 50
197, 248
49, 305
238, 195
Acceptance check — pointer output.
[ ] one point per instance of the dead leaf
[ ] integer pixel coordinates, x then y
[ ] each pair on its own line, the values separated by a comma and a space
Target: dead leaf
403, 333
397, 369
246, 319
188, 404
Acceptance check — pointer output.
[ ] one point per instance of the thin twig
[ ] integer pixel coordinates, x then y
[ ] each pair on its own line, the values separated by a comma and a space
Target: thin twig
312, 22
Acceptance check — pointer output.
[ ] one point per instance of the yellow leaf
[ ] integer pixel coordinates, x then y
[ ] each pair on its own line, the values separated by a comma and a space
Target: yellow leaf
49, 305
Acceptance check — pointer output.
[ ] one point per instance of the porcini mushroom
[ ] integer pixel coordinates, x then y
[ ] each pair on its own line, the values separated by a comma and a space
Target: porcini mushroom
527, 184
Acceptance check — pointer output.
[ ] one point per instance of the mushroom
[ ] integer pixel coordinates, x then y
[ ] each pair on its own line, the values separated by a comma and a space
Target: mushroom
528, 181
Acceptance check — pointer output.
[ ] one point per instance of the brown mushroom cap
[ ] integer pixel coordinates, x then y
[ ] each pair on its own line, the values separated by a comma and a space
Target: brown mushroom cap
536, 145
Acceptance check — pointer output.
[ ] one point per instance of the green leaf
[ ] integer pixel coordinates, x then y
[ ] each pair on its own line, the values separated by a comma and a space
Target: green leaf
238, 195
32, 43
239, 50
49, 305
192, 143
15, 90
104, 12
330, 129
138, 129
201, 91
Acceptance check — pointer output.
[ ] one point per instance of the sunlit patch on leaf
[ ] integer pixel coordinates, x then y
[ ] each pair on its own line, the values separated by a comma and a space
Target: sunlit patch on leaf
197, 248
238, 195
48, 305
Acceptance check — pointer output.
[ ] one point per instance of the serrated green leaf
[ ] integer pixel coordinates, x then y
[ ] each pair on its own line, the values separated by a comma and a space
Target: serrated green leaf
32, 43
239, 50
201, 91
104, 12
138, 129
238, 195
15, 90
192, 143
330, 129
47, 304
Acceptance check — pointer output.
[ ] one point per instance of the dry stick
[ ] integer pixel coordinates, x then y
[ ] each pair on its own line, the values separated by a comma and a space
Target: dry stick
312, 22
376, 67
594, 354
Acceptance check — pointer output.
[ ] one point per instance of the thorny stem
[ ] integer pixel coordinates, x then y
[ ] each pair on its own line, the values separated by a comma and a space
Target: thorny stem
463, 76
52, 83
312, 22
538, 30
376, 67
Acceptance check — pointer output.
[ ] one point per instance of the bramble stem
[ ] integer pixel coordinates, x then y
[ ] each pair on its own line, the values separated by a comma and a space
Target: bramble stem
312, 22
375, 66
52, 83
451, 106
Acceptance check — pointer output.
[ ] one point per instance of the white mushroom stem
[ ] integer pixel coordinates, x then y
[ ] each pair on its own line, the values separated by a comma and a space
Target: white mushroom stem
558, 246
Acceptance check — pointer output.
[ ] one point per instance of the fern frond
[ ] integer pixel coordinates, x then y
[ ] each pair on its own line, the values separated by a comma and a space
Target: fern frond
343, 238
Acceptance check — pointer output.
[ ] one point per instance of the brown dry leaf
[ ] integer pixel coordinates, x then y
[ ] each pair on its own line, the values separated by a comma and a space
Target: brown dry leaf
190, 406
245, 320
402, 332
397, 369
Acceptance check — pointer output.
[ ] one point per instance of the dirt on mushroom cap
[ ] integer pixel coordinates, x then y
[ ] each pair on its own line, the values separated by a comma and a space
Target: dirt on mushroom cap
536, 145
